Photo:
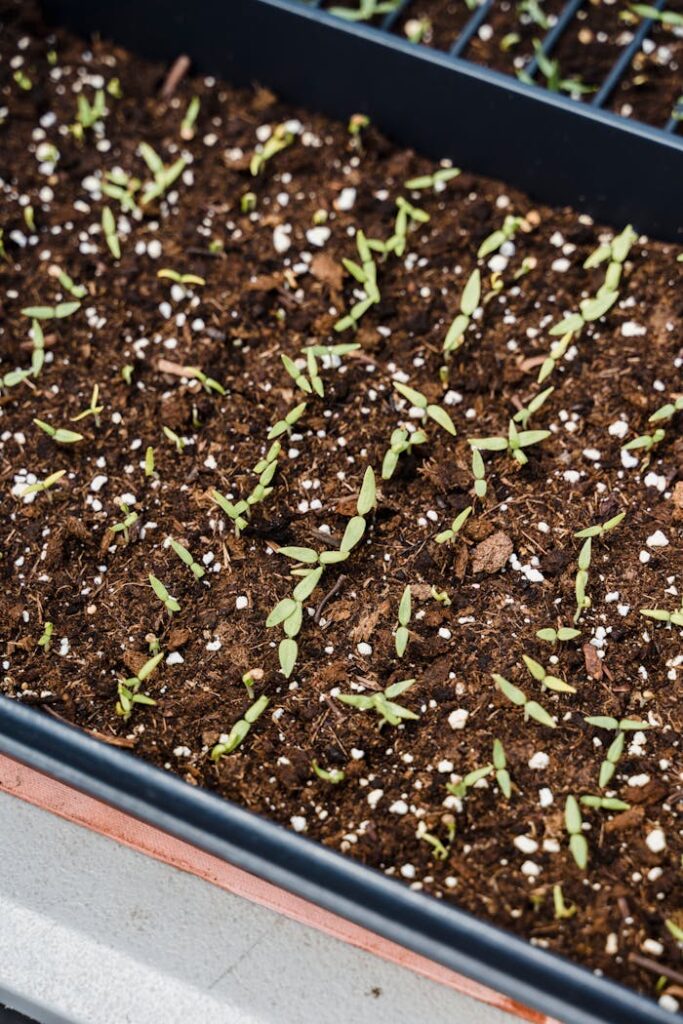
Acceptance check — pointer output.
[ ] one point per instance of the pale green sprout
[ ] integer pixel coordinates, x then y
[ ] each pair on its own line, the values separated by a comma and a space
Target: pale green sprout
615, 252
600, 529
127, 373
674, 618
441, 597
456, 526
240, 511
166, 273
169, 603
578, 846
557, 352
401, 442
14, 377
248, 202
79, 291
469, 301
164, 176
208, 383
616, 748
45, 640
283, 426
22, 80
306, 384
433, 412
563, 634
675, 930
58, 312
87, 114
500, 767
43, 485
174, 438
187, 559
440, 850
479, 474
562, 909
604, 803
550, 69
38, 353
664, 17
366, 11
407, 216
532, 709
548, 682
129, 517
93, 409
435, 181
524, 415
189, 120
240, 729
333, 775
149, 461
383, 703
30, 218
590, 310
110, 234
234, 512
121, 187
459, 789
280, 139
114, 88
129, 689
584, 560
365, 273
514, 443
402, 632
506, 233
59, 434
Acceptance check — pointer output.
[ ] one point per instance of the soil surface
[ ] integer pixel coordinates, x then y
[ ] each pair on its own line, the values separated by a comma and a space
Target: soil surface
79, 554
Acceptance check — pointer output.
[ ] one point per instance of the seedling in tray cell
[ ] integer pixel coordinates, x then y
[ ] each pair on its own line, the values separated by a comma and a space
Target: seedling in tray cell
130, 516
187, 559
456, 526
469, 301
496, 239
169, 603
578, 845
550, 69
280, 138
383, 703
532, 709
164, 175
332, 775
401, 443
428, 409
45, 640
547, 681
93, 408
366, 11
43, 485
436, 181
59, 434
616, 748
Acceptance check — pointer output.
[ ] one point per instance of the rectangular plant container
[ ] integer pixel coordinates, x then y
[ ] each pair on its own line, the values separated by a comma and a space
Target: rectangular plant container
559, 151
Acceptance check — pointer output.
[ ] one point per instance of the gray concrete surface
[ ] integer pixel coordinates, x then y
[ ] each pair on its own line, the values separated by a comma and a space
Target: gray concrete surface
94, 933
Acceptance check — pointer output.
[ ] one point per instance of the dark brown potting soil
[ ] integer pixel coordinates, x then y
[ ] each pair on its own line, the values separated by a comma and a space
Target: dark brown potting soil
79, 554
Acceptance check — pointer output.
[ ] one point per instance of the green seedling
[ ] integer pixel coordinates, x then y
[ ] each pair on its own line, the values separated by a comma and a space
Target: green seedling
604, 803
435, 181
307, 384
122, 188
548, 682
248, 202
524, 415
456, 526
79, 291
188, 122
417, 29
333, 775
479, 474
506, 233
561, 635
93, 409
532, 709
59, 434
285, 425
674, 618
127, 374
535, 13
401, 443
469, 301
459, 789
402, 634
129, 689
668, 18
43, 485
383, 703
169, 603
14, 377
433, 412
616, 748
184, 279
174, 438
45, 640
440, 849
365, 273
675, 931
110, 235
563, 910
355, 127
441, 597
406, 218
500, 768
149, 461
584, 560
87, 113
30, 218
578, 847
58, 312
550, 69
514, 443
163, 176
280, 139
237, 735
38, 353
129, 517
366, 11
22, 80
187, 559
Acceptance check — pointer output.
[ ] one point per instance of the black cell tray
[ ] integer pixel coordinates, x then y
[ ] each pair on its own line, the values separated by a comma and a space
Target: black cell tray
558, 150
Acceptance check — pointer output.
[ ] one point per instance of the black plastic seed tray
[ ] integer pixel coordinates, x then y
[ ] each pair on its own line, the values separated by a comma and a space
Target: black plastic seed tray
558, 149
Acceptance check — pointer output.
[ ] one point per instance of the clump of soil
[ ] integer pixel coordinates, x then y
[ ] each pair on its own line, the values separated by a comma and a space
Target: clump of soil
79, 554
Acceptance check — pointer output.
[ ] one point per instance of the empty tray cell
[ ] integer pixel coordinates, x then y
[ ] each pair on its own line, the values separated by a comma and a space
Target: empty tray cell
653, 83
435, 23
505, 41
588, 49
